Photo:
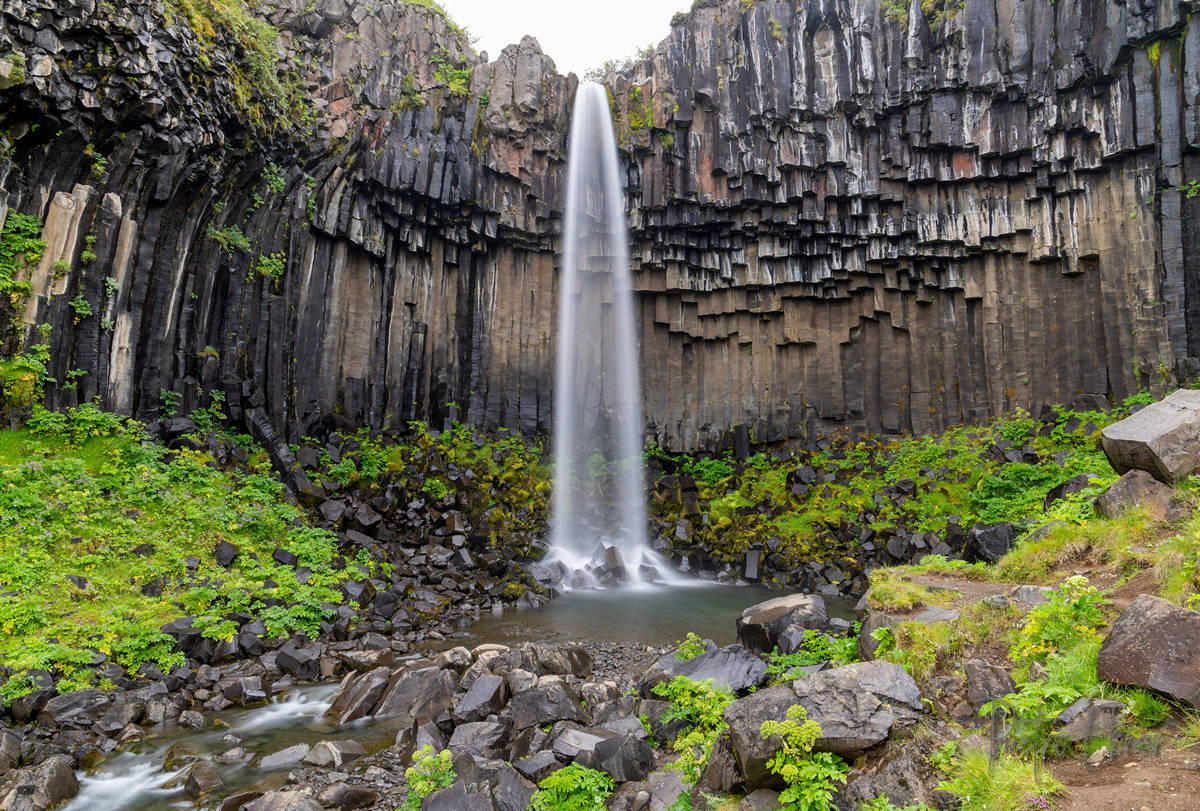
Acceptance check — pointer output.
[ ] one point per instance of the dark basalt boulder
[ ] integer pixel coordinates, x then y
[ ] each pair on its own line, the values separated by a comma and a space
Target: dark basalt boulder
358, 695
202, 780
345, 797
422, 693
759, 626
1071, 486
624, 758
1162, 439
458, 798
990, 542
1154, 644
39, 788
510, 789
487, 696
74, 710
731, 667
547, 704
484, 739
1135, 489
301, 663
986, 682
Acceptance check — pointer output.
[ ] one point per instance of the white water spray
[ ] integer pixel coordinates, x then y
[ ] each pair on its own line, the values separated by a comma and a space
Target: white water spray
598, 520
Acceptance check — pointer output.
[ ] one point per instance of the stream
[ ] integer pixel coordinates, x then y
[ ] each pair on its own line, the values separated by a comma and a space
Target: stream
134, 779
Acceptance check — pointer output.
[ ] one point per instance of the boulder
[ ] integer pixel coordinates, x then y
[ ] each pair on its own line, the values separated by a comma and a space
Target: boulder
658, 792
1090, 718
302, 664
989, 542
486, 697
344, 797
901, 774
73, 710
538, 765
546, 704
761, 799
857, 706
47, 785
285, 757
1154, 644
563, 660
745, 718
486, 739
867, 644
457, 798
624, 758
358, 695
986, 682
1162, 439
1070, 487
202, 780
731, 667
510, 790
285, 801
578, 743
1134, 489
422, 693
335, 753
759, 626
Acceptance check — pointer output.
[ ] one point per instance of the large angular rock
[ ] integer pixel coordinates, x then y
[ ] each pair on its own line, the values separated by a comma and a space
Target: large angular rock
624, 758
867, 644
78, 709
1162, 439
47, 785
1090, 718
358, 695
422, 693
335, 753
486, 696
986, 682
457, 797
1154, 644
284, 801
731, 667
509, 789
1137, 488
658, 792
990, 542
484, 739
545, 705
759, 626
856, 705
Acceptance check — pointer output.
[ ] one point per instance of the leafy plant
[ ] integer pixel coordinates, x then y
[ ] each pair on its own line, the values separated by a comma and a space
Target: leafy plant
702, 706
572, 788
691, 647
429, 772
275, 178
1072, 614
817, 647
230, 238
1001, 784
811, 777
81, 307
273, 265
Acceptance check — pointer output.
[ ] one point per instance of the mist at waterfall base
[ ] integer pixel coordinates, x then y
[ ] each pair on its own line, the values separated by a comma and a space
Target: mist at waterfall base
598, 528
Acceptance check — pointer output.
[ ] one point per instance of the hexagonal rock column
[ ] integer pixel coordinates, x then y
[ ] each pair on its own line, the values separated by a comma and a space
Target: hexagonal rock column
1162, 439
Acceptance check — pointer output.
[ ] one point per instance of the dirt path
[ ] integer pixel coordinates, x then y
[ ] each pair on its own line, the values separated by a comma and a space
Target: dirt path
1168, 781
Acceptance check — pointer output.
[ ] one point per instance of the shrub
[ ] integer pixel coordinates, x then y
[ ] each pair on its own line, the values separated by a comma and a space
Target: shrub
1072, 614
1001, 785
690, 648
817, 647
810, 776
572, 788
430, 772
702, 706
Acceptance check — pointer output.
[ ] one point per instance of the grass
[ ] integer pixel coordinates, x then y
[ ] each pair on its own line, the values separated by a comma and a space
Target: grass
890, 591
82, 495
1004, 784
924, 649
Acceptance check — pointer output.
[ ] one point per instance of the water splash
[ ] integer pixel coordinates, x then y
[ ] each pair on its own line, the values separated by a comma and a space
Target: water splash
598, 517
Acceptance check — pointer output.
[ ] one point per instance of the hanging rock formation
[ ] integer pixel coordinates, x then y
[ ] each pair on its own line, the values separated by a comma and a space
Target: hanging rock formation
844, 214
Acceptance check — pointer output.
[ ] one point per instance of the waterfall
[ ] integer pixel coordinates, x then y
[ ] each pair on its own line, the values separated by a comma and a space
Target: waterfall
598, 528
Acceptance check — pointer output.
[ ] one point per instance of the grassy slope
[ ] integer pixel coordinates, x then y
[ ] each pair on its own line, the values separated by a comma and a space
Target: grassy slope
78, 493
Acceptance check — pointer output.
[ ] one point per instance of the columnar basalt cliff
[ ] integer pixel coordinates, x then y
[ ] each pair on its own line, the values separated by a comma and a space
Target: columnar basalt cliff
843, 214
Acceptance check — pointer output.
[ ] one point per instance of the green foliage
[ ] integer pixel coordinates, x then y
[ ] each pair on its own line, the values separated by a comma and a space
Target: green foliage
702, 706
99, 162
1000, 785
230, 238
454, 73
21, 245
776, 29
944, 757
410, 98
23, 376
210, 416
572, 788
17, 62
268, 96
273, 265
81, 307
938, 12
435, 489
896, 11
168, 403
1073, 612
690, 648
275, 178
817, 647
88, 254
811, 777
80, 489
925, 648
882, 803
640, 111
429, 773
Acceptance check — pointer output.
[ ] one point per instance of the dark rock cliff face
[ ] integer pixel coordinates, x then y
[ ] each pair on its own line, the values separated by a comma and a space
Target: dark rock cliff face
838, 218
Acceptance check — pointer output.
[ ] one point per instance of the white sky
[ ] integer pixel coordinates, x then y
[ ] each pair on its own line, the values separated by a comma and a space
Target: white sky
576, 35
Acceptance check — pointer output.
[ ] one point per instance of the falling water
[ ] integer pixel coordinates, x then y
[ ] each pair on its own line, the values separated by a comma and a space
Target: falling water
599, 505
